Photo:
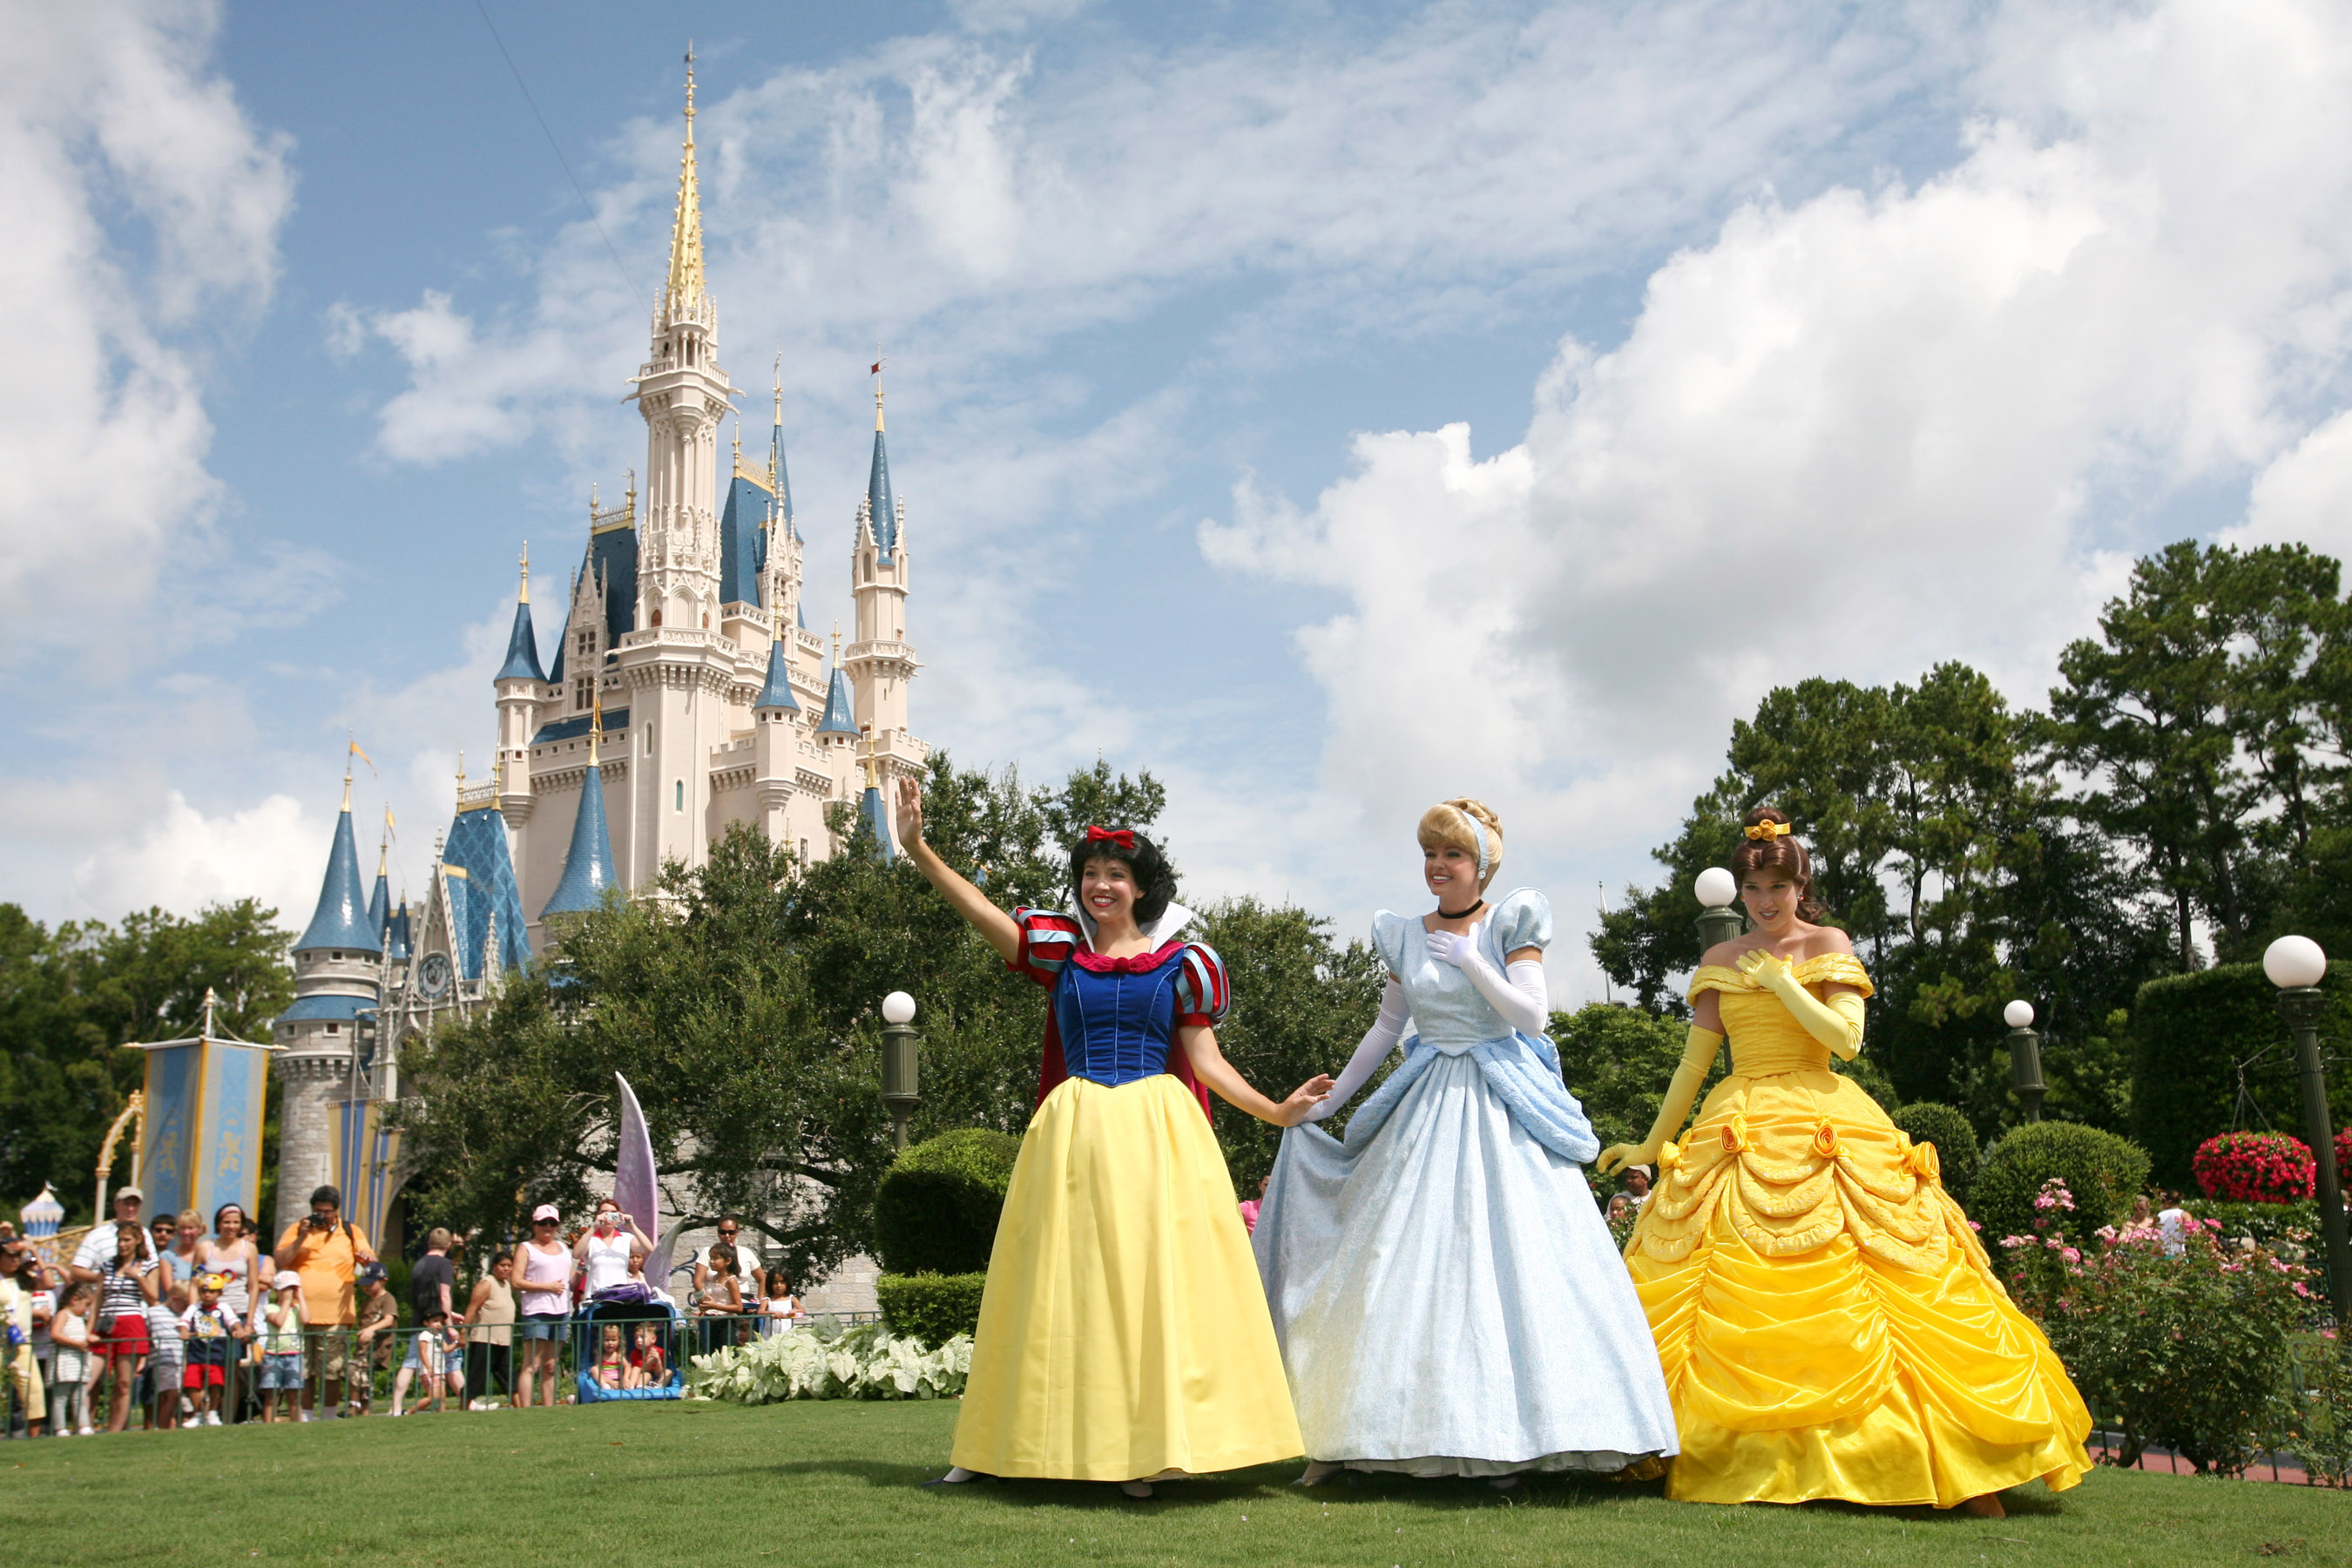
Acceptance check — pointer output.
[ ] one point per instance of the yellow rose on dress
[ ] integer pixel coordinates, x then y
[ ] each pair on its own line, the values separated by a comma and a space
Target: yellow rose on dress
1921, 1161
1825, 1140
1735, 1135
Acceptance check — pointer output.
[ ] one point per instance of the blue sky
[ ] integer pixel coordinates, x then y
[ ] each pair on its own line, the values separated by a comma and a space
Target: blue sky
1328, 408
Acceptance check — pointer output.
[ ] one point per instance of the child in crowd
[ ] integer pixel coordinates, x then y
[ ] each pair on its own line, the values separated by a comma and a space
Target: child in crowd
165, 1357
69, 1336
653, 1366
282, 1321
430, 1357
781, 1310
205, 1332
613, 1368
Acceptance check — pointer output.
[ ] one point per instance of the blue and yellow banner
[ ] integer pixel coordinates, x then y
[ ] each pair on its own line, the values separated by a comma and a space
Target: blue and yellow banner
367, 1154
200, 1143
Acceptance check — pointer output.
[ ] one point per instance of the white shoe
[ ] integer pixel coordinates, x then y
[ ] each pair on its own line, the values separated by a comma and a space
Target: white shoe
212, 1417
87, 1432
191, 1421
302, 1415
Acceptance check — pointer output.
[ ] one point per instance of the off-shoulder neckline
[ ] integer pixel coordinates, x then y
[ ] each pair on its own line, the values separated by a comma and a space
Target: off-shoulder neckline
1842, 968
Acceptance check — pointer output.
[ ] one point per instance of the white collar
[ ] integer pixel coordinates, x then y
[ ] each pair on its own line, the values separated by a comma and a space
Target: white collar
1158, 932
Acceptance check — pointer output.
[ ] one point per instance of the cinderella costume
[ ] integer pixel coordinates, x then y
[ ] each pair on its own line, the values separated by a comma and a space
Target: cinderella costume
1447, 1297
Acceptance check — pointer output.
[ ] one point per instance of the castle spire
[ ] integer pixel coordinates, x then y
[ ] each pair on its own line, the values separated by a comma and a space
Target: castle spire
684, 293
523, 642
882, 508
588, 863
840, 708
341, 917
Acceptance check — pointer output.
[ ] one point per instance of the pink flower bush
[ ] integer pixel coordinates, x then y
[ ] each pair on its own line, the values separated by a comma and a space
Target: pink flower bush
2255, 1168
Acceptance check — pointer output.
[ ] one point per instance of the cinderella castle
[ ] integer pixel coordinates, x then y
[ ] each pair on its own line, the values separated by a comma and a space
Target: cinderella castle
686, 694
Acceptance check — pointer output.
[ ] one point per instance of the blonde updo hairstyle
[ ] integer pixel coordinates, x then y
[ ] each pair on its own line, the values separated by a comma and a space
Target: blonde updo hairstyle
1446, 825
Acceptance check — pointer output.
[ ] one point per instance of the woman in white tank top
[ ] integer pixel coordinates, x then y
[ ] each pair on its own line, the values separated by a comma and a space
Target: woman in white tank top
604, 1250
543, 1281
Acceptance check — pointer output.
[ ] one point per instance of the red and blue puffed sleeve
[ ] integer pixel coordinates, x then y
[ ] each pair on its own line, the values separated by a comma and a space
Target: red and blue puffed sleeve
1203, 993
1049, 938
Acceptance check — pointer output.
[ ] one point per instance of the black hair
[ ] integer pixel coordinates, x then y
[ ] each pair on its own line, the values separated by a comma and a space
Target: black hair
1155, 878
326, 1195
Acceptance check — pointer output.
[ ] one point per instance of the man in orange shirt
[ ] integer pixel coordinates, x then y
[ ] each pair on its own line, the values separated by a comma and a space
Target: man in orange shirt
328, 1252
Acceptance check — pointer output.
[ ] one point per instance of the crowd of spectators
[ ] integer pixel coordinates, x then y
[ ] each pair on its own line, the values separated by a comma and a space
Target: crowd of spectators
180, 1325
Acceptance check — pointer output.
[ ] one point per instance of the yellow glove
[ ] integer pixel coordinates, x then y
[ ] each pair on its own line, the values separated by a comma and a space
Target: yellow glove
1698, 1055
1836, 1023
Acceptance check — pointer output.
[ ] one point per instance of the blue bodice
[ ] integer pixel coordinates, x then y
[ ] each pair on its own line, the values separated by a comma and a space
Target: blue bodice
1116, 1027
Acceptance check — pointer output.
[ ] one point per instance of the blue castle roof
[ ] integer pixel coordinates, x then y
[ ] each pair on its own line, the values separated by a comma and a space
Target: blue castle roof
398, 932
588, 863
612, 559
478, 843
579, 724
778, 692
341, 918
380, 907
784, 482
840, 713
741, 524
522, 649
877, 822
878, 502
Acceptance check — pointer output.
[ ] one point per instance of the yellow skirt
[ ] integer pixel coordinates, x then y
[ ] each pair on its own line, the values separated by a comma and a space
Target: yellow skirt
1829, 1325
1124, 1332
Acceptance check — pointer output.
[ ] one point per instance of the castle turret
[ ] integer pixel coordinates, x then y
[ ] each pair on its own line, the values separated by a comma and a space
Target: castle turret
338, 981
879, 661
522, 687
773, 740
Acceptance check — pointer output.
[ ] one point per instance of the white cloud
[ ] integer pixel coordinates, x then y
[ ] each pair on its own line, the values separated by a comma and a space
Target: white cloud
142, 211
184, 859
1857, 434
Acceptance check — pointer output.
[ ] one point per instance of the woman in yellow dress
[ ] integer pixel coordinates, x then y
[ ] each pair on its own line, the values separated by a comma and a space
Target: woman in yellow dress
1829, 1325
1123, 1333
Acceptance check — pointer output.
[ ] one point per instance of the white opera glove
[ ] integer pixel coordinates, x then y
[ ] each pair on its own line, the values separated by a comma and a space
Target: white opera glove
1521, 997
1377, 1042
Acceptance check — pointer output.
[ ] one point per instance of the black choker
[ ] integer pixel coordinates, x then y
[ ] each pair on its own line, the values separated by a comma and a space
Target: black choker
1445, 914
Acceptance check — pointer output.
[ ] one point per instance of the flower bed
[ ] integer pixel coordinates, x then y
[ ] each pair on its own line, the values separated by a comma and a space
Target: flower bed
2255, 1168
827, 1362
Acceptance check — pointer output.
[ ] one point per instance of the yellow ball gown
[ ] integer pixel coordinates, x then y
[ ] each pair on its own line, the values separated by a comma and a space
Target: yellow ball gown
1829, 1323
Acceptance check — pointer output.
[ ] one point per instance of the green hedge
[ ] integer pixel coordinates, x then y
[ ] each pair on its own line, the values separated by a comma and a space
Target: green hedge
936, 1209
2188, 1033
932, 1307
1954, 1138
2102, 1171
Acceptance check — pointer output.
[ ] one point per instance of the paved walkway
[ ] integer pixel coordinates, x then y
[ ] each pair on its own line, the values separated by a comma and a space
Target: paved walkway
2284, 1469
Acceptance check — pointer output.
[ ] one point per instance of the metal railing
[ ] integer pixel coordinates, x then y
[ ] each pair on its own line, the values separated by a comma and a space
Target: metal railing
342, 1372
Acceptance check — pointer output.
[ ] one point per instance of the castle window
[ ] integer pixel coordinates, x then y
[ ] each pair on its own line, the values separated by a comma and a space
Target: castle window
681, 794
333, 1027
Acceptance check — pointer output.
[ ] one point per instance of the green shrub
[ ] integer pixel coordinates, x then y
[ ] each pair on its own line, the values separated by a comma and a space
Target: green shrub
936, 1209
2319, 1419
1954, 1138
2102, 1171
932, 1307
2190, 1032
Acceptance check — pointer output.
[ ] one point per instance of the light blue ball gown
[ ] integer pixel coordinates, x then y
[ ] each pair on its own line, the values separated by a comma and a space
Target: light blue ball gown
1445, 1292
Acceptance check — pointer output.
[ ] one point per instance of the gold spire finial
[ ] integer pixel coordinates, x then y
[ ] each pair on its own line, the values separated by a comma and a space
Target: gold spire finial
836, 644
526, 563
879, 362
383, 855
685, 291
461, 777
776, 431
351, 750
595, 718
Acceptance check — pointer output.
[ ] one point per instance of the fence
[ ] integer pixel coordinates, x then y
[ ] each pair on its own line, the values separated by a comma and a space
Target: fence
341, 1371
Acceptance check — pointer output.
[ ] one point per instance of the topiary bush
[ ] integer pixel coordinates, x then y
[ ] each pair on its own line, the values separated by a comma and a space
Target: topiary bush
932, 1307
2100, 1170
936, 1209
2189, 1034
1956, 1141
2255, 1168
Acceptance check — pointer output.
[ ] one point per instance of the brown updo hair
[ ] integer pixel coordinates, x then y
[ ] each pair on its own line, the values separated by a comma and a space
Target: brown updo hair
1446, 825
1778, 853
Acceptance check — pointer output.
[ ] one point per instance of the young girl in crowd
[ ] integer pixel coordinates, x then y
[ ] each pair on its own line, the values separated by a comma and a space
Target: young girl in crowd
282, 1321
165, 1357
127, 1286
428, 1360
69, 1334
613, 1368
781, 1310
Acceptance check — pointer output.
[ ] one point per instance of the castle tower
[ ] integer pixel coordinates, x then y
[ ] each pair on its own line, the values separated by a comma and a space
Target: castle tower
588, 865
775, 715
678, 666
521, 687
880, 663
338, 981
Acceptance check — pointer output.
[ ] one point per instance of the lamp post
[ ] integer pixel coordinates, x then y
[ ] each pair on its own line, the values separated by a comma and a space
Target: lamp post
902, 1087
2297, 966
1718, 922
2024, 1058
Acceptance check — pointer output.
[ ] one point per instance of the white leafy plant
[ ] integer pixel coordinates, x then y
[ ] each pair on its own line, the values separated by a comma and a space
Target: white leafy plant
825, 1360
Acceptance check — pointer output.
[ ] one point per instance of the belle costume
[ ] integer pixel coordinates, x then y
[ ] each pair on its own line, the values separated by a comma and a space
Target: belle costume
1123, 1335
1829, 1323
1449, 1301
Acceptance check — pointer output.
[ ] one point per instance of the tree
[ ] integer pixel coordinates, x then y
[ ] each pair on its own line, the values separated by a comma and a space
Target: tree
70, 997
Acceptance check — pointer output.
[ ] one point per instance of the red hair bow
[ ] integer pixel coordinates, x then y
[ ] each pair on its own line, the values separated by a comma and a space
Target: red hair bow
1121, 837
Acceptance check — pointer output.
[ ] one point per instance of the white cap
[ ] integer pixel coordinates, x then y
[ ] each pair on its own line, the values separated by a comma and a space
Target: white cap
286, 1280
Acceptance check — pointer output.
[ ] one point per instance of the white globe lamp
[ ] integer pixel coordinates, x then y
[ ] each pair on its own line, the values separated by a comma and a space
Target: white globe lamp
2294, 961
2017, 1015
1715, 888
898, 1008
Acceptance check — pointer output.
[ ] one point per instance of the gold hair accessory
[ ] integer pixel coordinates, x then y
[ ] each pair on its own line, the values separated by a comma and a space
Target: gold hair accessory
1769, 830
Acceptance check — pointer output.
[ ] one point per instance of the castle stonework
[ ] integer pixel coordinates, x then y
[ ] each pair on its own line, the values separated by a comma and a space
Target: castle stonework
686, 695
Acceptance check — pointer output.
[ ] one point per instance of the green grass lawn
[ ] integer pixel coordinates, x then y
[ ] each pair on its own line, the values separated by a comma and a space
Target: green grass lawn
834, 1483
